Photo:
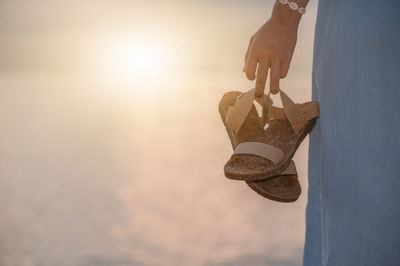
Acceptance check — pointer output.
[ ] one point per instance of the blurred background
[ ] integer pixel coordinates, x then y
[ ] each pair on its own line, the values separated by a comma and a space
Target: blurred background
112, 148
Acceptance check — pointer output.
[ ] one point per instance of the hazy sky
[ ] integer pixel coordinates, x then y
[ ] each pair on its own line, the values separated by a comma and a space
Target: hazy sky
69, 35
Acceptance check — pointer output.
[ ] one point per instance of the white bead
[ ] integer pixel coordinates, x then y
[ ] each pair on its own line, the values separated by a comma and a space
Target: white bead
293, 5
302, 10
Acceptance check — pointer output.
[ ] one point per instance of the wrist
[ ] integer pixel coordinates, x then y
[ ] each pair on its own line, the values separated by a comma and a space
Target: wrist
285, 16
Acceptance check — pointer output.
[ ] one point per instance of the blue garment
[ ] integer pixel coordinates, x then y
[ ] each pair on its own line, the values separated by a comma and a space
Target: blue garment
353, 209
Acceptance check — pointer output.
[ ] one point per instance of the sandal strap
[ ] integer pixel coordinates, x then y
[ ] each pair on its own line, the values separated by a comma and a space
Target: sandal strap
290, 170
267, 151
297, 114
277, 113
237, 114
310, 110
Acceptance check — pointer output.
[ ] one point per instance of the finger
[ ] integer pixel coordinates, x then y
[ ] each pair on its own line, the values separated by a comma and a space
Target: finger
274, 77
262, 73
284, 68
248, 49
251, 66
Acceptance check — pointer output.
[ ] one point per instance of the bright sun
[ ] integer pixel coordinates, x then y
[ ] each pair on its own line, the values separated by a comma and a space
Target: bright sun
139, 61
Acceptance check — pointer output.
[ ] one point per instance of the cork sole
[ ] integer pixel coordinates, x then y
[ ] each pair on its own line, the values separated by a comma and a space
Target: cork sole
279, 134
282, 188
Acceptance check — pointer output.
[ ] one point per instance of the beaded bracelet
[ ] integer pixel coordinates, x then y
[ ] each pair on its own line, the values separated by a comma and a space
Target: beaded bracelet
294, 6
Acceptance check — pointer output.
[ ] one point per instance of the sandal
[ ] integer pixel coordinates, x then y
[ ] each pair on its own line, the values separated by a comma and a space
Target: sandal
264, 146
284, 187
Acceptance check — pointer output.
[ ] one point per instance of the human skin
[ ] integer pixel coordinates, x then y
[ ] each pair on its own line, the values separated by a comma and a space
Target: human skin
271, 47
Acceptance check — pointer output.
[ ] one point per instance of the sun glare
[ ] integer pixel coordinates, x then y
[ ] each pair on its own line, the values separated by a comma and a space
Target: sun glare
139, 61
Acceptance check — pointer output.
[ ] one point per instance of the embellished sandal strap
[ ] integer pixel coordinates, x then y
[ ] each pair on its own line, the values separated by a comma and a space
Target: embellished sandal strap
267, 151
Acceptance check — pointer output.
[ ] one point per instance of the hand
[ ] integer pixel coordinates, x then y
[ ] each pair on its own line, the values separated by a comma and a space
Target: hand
271, 47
